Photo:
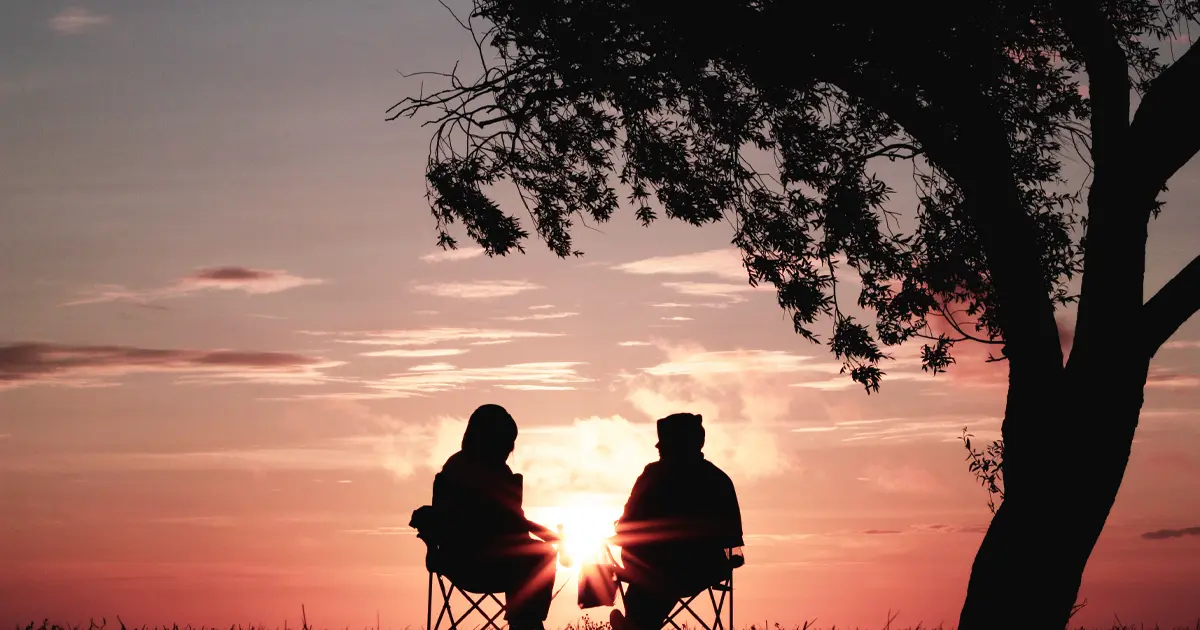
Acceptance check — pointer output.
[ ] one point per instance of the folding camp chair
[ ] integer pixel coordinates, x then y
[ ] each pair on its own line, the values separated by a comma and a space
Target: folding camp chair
425, 521
448, 590
720, 596
476, 595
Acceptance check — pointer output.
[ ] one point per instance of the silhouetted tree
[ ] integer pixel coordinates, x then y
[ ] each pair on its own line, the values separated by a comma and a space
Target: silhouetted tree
772, 115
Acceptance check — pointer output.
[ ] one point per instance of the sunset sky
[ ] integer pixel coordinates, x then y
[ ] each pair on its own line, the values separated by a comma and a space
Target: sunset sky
232, 357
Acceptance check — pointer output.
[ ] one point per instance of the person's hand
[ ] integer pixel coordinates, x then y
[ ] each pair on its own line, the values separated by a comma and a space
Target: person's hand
543, 532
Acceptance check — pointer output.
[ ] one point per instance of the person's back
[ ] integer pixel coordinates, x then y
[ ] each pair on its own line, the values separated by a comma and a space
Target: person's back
477, 528
480, 504
681, 516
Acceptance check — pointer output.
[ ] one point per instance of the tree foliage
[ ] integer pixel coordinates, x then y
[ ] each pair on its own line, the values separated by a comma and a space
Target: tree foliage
987, 466
774, 116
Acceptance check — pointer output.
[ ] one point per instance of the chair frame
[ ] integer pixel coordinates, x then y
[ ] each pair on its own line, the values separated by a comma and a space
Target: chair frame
448, 589
724, 587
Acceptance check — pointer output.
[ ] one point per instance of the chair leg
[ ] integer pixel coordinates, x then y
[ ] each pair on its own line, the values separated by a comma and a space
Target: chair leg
474, 607
445, 611
501, 608
718, 605
731, 601
447, 590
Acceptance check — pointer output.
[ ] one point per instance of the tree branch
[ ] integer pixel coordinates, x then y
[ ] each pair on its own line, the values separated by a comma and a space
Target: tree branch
1177, 301
1108, 78
1164, 136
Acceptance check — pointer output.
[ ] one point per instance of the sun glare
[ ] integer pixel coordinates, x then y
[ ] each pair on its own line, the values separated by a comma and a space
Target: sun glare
587, 523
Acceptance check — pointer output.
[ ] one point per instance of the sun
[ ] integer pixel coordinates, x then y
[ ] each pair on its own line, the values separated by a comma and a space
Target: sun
587, 522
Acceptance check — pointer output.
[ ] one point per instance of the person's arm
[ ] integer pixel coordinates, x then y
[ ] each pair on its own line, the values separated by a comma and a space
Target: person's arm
633, 514
733, 519
542, 532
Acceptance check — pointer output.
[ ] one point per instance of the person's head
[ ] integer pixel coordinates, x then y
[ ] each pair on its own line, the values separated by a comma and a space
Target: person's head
680, 434
491, 433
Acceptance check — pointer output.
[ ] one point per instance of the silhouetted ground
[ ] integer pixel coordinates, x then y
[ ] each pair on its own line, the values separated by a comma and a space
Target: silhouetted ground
585, 624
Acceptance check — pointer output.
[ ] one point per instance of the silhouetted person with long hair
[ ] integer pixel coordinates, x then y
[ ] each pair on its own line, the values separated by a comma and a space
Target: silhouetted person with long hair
681, 517
480, 533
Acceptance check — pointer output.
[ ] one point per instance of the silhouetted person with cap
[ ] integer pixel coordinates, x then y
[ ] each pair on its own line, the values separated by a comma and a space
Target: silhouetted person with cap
681, 516
477, 526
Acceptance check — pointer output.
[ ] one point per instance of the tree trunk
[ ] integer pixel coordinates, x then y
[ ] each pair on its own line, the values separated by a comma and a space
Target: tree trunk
1068, 471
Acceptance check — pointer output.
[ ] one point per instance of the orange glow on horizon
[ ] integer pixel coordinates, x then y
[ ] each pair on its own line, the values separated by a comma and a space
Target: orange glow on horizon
588, 522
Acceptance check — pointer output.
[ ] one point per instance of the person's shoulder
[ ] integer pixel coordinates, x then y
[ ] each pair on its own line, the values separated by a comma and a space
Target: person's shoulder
652, 469
716, 471
453, 462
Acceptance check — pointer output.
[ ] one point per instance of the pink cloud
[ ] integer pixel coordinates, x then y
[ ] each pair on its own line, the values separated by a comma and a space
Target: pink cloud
1168, 379
484, 289
31, 363
224, 278
722, 263
904, 479
433, 336
941, 528
255, 281
537, 316
1164, 534
76, 20
453, 255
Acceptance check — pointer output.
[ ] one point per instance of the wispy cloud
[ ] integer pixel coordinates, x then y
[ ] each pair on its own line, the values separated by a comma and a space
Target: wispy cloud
540, 307
942, 528
943, 428
391, 530
1168, 379
33, 363
483, 289
731, 293
439, 377
936, 528
433, 336
1183, 344
677, 318
839, 382
903, 479
444, 377
196, 521
632, 344
691, 305
401, 353
1163, 534
229, 278
76, 20
453, 255
537, 317
723, 263
698, 363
